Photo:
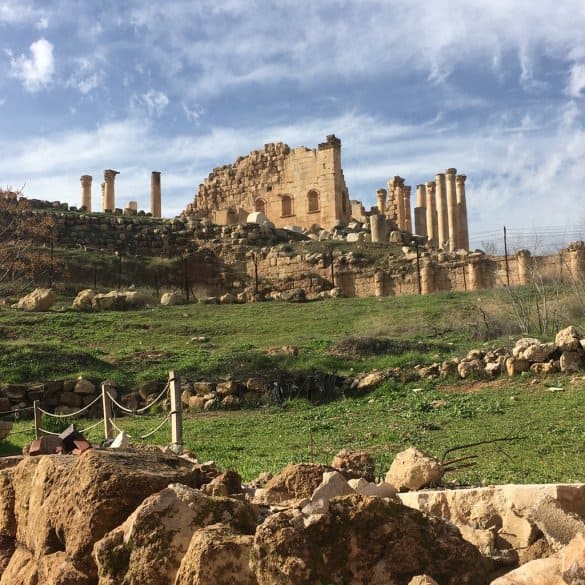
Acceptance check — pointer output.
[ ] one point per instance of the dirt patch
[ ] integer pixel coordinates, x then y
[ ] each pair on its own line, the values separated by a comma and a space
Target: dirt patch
367, 346
142, 356
470, 387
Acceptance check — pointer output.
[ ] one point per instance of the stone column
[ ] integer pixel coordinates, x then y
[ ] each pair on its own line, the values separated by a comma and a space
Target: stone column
86, 192
576, 260
109, 192
407, 210
381, 197
431, 214
420, 211
398, 196
379, 228
427, 276
452, 211
524, 261
155, 195
475, 272
379, 283
463, 238
441, 199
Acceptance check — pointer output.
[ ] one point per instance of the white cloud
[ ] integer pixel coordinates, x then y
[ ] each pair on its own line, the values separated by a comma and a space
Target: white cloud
84, 78
155, 101
19, 12
43, 23
193, 113
576, 83
36, 71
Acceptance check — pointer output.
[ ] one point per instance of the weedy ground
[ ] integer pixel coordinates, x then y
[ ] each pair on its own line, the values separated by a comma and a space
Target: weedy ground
542, 418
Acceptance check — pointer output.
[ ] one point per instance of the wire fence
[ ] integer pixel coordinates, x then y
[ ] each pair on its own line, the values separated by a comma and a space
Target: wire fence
112, 413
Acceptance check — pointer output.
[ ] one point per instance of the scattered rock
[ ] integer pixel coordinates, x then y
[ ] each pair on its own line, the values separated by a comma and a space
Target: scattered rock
354, 464
412, 470
171, 298
84, 300
40, 299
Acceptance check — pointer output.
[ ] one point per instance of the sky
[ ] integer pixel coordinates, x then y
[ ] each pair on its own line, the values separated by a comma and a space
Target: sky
494, 88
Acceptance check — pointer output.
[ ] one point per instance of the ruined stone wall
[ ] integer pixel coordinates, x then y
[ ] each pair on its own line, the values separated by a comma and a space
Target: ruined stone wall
291, 187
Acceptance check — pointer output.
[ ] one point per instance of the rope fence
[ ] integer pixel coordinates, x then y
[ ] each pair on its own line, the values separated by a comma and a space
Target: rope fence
108, 419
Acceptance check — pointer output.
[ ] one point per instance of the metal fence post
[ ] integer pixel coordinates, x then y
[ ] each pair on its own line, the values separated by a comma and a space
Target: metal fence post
107, 408
37, 415
176, 413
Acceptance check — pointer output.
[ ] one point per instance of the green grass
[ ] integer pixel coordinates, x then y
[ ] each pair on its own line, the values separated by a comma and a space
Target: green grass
390, 419
141, 345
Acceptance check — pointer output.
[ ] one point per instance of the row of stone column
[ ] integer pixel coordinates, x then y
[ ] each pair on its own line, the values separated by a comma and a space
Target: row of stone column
440, 213
109, 194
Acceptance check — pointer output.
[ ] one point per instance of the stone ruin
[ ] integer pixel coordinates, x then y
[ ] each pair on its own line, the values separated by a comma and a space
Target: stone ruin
306, 188
109, 194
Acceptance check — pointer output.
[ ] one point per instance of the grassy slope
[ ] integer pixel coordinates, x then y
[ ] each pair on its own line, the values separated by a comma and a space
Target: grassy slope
144, 344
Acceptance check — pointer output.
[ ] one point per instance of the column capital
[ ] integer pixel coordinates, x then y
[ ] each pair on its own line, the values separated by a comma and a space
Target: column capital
450, 171
110, 175
86, 179
440, 176
461, 179
431, 185
381, 191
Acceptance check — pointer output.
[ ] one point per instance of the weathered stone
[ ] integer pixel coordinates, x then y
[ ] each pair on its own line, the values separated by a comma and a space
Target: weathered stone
197, 402
149, 546
363, 540
217, 555
231, 401
83, 386
295, 482
412, 470
515, 366
538, 572
573, 561
422, 580
354, 464
558, 525
371, 380
474, 367
568, 339
227, 299
68, 503
83, 300
571, 361
171, 298
376, 490
295, 295
204, 388
229, 387
40, 299
333, 484
225, 484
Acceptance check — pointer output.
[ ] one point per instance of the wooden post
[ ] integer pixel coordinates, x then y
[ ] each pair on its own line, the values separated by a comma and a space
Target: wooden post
176, 413
506, 257
37, 414
107, 408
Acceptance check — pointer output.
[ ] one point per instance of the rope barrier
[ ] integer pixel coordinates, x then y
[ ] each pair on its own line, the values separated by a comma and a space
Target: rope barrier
150, 433
48, 432
145, 408
17, 410
139, 410
31, 430
117, 428
97, 424
76, 413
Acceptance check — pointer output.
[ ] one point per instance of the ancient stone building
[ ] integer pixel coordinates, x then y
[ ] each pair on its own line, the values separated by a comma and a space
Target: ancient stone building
297, 186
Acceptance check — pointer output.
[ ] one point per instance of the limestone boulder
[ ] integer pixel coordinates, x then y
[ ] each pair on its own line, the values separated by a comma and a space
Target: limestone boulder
295, 482
83, 300
354, 464
571, 362
40, 299
522, 344
118, 301
470, 368
371, 380
369, 488
294, 295
516, 365
171, 298
258, 218
64, 504
539, 352
422, 580
227, 299
217, 555
412, 469
333, 485
363, 540
83, 386
568, 339
148, 547
225, 484
538, 572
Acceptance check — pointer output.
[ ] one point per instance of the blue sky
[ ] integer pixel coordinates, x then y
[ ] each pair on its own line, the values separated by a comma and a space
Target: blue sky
494, 88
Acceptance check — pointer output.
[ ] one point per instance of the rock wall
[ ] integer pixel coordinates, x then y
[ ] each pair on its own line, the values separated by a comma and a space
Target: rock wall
291, 187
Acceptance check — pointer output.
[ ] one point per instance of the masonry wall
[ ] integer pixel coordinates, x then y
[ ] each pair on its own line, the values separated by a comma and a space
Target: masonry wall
298, 187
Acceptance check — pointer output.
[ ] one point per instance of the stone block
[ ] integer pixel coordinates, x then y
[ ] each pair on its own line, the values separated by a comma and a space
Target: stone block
83, 386
71, 399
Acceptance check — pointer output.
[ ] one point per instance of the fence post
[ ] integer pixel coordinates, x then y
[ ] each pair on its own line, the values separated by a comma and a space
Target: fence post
37, 414
176, 413
107, 408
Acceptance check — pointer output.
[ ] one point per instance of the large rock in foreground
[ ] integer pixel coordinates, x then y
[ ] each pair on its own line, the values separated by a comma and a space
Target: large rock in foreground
54, 508
363, 540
